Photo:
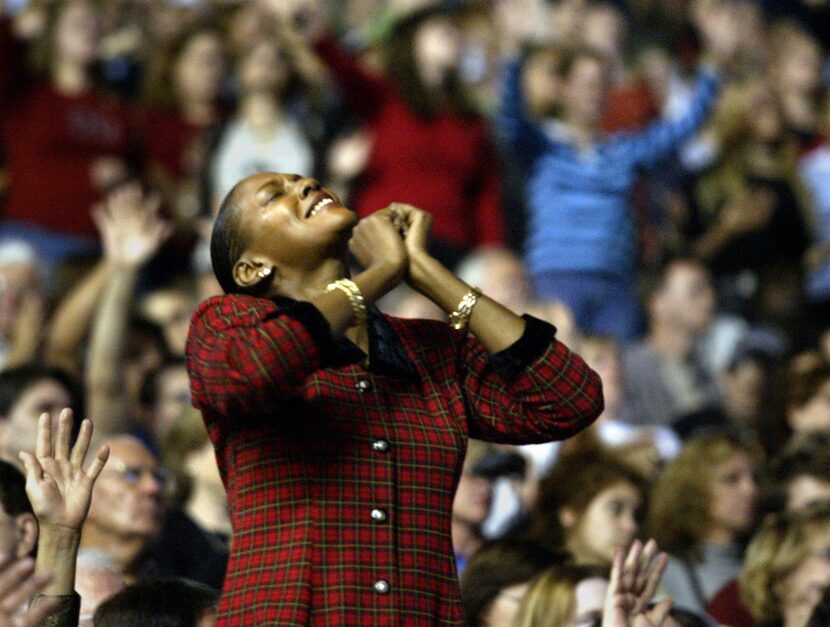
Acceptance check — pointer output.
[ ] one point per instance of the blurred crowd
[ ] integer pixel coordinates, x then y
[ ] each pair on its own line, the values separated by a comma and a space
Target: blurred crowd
652, 177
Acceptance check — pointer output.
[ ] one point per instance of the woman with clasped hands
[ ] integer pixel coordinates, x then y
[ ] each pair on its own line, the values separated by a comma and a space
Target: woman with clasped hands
339, 431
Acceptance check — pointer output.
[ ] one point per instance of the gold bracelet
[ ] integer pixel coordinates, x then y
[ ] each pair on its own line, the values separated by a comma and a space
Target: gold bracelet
352, 291
461, 316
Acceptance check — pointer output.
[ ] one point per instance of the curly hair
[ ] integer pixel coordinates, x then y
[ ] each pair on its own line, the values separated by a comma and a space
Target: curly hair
678, 516
574, 482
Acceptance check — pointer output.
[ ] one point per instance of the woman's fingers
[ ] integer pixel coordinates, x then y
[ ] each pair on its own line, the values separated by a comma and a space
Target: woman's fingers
43, 607
81, 447
648, 555
27, 588
64, 436
631, 566
98, 463
12, 576
33, 468
43, 442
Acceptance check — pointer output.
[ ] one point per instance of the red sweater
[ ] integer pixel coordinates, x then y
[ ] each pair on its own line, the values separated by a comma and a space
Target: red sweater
445, 165
51, 141
170, 144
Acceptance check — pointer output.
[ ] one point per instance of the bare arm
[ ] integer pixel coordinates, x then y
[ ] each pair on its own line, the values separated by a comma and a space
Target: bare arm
493, 324
132, 232
60, 490
377, 245
27, 330
71, 321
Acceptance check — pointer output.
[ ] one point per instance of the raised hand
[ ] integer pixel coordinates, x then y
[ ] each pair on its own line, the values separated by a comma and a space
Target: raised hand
18, 583
130, 225
302, 18
414, 226
634, 581
377, 242
720, 28
58, 486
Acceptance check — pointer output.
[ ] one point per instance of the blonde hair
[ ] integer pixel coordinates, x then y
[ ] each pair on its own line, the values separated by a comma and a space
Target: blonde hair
678, 516
731, 125
781, 544
550, 601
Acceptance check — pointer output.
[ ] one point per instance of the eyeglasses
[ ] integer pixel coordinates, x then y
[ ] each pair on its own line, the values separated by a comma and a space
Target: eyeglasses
132, 475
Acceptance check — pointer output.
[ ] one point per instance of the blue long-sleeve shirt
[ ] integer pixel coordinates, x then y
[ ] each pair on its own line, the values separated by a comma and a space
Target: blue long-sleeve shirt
581, 217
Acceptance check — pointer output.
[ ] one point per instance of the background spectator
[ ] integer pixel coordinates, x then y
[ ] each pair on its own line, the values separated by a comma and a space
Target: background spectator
532, 129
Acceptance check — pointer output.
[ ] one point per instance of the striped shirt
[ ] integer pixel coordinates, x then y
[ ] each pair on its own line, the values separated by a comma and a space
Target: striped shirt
581, 217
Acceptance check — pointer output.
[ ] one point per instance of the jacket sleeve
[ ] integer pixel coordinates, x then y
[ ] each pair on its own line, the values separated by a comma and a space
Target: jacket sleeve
534, 391
525, 138
646, 148
362, 90
246, 356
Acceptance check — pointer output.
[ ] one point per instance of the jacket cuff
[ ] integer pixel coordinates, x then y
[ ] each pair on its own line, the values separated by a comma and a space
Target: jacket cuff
67, 614
533, 343
317, 326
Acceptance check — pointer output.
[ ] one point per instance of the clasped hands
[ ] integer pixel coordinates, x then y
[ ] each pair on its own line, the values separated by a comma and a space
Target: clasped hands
395, 238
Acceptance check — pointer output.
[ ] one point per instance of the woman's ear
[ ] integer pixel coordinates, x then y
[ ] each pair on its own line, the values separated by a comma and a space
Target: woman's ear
249, 273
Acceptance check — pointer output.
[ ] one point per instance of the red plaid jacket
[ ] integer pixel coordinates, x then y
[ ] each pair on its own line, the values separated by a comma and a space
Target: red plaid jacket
341, 476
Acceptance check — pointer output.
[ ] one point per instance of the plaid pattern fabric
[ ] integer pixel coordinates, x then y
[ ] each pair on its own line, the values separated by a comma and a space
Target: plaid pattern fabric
341, 478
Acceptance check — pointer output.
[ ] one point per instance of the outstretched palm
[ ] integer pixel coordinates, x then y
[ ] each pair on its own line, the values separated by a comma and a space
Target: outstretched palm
58, 487
131, 226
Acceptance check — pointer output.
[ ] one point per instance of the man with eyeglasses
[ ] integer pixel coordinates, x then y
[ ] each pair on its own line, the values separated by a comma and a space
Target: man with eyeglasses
127, 510
129, 518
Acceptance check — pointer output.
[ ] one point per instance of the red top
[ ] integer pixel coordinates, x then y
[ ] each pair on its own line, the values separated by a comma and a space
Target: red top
631, 106
170, 146
445, 165
727, 608
51, 141
340, 478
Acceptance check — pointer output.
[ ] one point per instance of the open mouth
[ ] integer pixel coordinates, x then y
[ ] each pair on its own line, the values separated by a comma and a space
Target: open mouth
318, 206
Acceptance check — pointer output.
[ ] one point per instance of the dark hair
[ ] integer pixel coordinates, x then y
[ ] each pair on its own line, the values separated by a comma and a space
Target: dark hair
403, 70
575, 481
653, 282
159, 88
227, 243
141, 328
15, 381
497, 565
13, 490
793, 386
808, 455
574, 54
165, 602
148, 395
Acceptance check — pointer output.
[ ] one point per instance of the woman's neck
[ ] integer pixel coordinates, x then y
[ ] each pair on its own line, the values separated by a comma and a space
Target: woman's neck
199, 112
309, 282
306, 284
720, 537
262, 111
69, 77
